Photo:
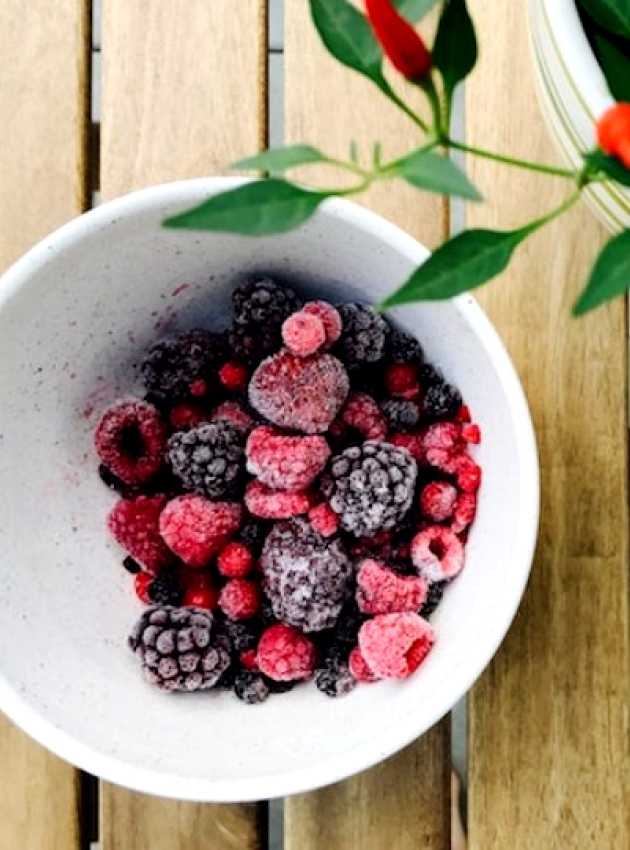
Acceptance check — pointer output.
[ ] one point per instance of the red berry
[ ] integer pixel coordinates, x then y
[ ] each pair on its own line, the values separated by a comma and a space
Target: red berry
285, 463
198, 388
187, 415
443, 435
235, 560
202, 597
130, 440
195, 528
401, 380
463, 414
232, 412
393, 645
284, 654
464, 512
233, 375
248, 659
383, 591
471, 433
613, 132
437, 500
359, 668
412, 442
303, 333
364, 415
194, 579
262, 501
135, 525
330, 318
468, 473
240, 599
324, 520
141, 584
437, 553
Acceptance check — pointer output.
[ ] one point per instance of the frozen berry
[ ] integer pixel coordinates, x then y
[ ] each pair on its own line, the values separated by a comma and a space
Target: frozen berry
363, 336
195, 528
165, 589
359, 668
401, 380
233, 375
464, 512
260, 308
329, 317
403, 348
437, 500
348, 624
243, 635
198, 388
141, 584
437, 553
471, 433
363, 414
235, 560
370, 486
201, 597
173, 365
303, 333
250, 687
232, 412
135, 525
247, 659
394, 645
300, 393
285, 463
130, 440
187, 415
264, 502
441, 401
429, 376
463, 414
468, 473
434, 597
323, 520
382, 591
307, 577
209, 460
412, 442
401, 414
443, 435
240, 599
284, 654
333, 676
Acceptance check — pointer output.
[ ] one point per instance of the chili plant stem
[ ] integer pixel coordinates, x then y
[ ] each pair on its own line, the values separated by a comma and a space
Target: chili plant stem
509, 160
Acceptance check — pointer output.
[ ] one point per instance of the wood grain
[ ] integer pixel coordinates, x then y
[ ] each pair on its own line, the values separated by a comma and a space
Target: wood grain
43, 166
183, 95
549, 719
404, 802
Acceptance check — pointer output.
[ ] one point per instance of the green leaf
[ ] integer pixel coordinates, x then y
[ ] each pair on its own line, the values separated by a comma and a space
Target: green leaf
462, 263
255, 209
612, 15
598, 161
414, 10
436, 173
455, 46
278, 160
610, 276
615, 64
347, 34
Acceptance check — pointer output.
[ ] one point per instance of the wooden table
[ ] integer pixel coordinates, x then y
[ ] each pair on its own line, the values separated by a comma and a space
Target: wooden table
184, 92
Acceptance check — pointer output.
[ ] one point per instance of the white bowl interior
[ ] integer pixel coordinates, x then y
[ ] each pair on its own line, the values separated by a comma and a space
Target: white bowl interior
75, 317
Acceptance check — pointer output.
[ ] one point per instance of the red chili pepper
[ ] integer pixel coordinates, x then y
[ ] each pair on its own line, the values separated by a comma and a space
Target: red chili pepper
613, 132
400, 42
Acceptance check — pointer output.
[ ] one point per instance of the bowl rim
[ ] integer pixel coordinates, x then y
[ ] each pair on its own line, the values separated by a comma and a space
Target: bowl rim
115, 769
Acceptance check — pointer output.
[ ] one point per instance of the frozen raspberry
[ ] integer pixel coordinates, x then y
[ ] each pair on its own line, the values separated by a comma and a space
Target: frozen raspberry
359, 667
240, 599
382, 591
135, 525
306, 577
195, 528
130, 439
443, 435
464, 512
232, 412
403, 348
394, 645
141, 584
437, 553
401, 380
333, 676
468, 473
250, 687
463, 414
172, 366
323, 520
264, 502
434, 597
363, 336
442, 459
401, 414
165, 589
187, 415
363, 414
329, 317
235, 560
233, 375
301, 393
201, 597
284, 654
248, 659
437, 500
441, 401
471, 433
412, 442
285, 463
303, 333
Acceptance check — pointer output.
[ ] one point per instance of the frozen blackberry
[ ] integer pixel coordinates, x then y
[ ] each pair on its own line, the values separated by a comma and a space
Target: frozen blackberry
306, 576
209, 460
403, 348
241, 634
276, 687
434, 597
428, 376
334, 678
253, 534
173, 364
250, 687
165, 589
401, 415
260, 308
370, 486
177, 649
348, 625
441, 401
364, 335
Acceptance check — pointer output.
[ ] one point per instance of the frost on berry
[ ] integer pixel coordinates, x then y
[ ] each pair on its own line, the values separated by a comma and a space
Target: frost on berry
130, 440
323, 520
437, 553
135, 525
363, 414
303, 333
284, 654
464, 512
195, 529
381, 590
267, 503
359, 667
285, 463
330, 318
394, 645
232, 412
437, 500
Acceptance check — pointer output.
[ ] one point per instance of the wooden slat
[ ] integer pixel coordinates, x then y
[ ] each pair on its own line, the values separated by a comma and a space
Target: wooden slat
549, 719
44, 114
405, 802
183, 96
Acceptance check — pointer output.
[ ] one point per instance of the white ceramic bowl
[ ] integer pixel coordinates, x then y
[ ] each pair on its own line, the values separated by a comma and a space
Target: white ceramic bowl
573, 94
75, 314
